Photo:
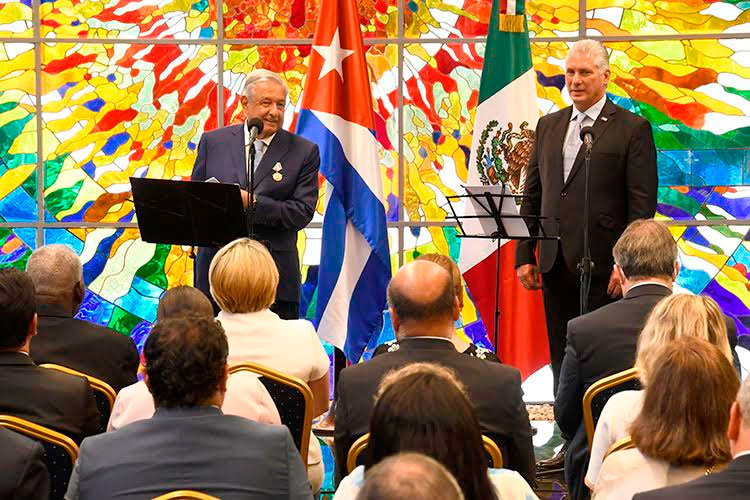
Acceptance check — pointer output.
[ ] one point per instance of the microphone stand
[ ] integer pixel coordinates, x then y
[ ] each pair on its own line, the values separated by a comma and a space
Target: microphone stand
250, 176
586, 266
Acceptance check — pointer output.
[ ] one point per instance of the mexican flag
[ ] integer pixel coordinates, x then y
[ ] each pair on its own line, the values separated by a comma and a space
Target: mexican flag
504, 126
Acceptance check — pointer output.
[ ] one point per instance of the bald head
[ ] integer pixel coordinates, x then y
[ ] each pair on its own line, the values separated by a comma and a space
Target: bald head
57, 274
409, 475
421, 298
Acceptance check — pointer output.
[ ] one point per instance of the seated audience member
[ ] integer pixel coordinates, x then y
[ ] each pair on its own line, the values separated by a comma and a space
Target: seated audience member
245, 397
423, 407
64, 340
730, 483
677, 316
46, 397
189, 443
461, 345
423, 310
409, 475
243, 279
680, 433
603, 342
24, 475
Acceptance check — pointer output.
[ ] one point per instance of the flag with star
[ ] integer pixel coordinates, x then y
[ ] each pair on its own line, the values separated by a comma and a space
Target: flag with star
336, 113
504, 126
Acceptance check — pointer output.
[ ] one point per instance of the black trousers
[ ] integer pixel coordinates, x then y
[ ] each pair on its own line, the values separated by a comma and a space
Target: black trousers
560, 290
285, 309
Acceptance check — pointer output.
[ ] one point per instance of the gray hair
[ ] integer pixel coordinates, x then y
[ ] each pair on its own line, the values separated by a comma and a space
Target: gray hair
262, 75
410, 475
646, 250
743, 399
54, 269
593, 48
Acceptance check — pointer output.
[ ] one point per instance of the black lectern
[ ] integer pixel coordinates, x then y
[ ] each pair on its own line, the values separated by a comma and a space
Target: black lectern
206, 214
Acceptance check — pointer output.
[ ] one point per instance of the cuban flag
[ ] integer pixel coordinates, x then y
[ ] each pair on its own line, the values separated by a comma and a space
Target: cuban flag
336, 113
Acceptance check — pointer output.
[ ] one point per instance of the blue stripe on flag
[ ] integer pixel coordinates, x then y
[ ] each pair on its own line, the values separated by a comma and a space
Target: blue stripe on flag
331, 253
373, 277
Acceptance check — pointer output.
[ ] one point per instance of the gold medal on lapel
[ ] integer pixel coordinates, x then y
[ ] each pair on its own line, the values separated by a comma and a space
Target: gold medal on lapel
277, 172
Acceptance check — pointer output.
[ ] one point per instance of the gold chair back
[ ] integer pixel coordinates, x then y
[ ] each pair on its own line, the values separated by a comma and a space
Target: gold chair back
185, 495
360, 445
299, 425
624, 380
621, 444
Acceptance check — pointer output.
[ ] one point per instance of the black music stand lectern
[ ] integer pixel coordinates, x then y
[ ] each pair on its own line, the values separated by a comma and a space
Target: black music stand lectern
190, 213
495, 217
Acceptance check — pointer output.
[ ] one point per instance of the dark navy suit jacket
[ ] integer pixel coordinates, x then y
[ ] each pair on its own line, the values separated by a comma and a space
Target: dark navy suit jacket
283, 207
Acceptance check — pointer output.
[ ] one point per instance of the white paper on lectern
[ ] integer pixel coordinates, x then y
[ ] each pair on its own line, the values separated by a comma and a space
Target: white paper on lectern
514, 227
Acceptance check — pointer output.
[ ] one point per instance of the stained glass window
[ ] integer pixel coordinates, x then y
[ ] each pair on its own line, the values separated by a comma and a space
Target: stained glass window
117, 88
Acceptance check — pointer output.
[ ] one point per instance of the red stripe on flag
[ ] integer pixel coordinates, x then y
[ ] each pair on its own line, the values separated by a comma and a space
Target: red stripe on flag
503, 6
523, 332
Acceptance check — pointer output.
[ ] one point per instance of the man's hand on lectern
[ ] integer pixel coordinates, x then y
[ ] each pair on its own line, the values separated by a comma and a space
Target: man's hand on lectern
529, 276
614, 288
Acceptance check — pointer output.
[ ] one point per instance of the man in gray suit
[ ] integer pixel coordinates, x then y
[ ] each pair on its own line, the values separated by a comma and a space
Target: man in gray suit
285, 180
189, 443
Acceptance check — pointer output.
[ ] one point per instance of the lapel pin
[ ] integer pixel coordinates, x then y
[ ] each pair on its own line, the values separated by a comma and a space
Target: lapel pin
604, 118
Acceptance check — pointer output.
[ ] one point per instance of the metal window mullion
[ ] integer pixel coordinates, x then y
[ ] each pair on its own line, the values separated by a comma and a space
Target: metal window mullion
37, 43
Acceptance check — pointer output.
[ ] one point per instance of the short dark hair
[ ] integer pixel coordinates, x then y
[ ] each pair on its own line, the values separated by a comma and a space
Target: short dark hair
405, 308
410, 475
185, 360
646, 249
422, 407
183, 301
17, 307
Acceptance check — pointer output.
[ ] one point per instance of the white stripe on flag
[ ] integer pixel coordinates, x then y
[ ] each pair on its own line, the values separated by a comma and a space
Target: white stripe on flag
511, 8
333, 323
360, 148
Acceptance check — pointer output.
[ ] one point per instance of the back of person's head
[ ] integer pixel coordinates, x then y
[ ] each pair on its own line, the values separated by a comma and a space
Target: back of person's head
243, 277
449, 265
423, 407
677, 316
646, 249
743, 400
183, 301
409, 475
422, 291
17, 308
686, 405
57, 273
186, 361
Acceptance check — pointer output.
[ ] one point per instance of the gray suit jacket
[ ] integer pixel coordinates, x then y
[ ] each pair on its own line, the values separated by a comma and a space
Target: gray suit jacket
191, 448
284, 207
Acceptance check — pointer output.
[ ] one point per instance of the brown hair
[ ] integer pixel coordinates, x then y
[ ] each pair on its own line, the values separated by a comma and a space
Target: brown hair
183, 301
646, 249
449, 265
677, 316
686, 406
243, 277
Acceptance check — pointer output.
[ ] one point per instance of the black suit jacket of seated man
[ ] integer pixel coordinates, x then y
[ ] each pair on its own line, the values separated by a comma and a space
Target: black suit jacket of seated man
494, 389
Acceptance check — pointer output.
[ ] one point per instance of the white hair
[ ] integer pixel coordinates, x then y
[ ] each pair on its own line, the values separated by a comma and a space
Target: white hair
262, 75
593, 48
55, 270
743, 398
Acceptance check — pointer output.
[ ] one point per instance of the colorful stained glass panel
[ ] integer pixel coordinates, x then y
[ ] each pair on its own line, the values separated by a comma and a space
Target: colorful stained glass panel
18, 141
624, 17
16, 245
185, 19
16, 18
296, 18
114, 111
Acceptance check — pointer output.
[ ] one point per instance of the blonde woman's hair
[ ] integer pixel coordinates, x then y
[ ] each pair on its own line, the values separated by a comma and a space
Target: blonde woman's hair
243, 277
677, 316
449, 265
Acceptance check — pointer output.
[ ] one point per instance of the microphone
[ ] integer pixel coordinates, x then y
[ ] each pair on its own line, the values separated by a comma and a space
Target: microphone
587, 136
255, 127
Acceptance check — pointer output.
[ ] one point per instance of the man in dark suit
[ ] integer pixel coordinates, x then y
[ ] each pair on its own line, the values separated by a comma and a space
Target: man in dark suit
57, 400
22, 462
64, 340
189, 443
727, 484
603, 342
423, 311
286, 183
622, 188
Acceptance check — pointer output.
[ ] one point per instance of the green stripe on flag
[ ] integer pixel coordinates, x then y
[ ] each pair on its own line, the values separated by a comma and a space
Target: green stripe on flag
506, 57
